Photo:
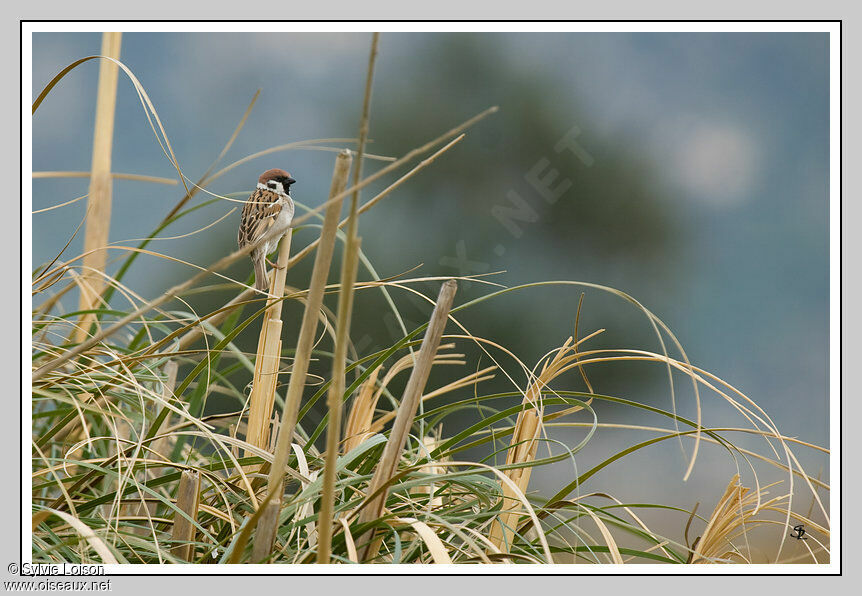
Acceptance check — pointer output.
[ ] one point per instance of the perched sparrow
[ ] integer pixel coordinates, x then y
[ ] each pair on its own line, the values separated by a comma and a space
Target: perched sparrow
266, 215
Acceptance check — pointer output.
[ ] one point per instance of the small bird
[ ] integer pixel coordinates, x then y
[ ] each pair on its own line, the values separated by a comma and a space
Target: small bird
266, 216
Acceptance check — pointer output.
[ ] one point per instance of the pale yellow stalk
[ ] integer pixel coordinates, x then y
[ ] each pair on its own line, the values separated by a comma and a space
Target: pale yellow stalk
268, 523
266, 368
361, 412
524, 443
733, 516
345, 307
99, 199
114, 176
388, 464
188, 501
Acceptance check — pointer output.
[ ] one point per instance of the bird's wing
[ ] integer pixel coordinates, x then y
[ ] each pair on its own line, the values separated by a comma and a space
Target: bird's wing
258, 215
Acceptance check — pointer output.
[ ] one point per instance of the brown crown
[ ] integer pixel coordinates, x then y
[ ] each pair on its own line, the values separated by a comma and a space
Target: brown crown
274, 173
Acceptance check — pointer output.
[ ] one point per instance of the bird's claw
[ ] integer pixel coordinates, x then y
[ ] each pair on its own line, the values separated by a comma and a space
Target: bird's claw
273, 265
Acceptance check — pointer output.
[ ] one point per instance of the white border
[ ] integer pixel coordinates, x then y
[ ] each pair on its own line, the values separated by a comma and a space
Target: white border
26, 532
832, 28
835, 201
431, 26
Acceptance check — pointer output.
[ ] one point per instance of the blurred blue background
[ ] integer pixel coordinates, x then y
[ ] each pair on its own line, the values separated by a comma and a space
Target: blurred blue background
699, 186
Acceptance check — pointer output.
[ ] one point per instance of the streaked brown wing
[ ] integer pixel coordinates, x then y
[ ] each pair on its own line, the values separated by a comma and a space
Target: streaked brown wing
258, 215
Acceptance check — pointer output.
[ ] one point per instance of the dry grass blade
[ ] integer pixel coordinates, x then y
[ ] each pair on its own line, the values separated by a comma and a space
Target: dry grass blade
363, 126
86, 532
435, 546
188, 501
613, 549
335, 397
393, 166
267, 527
311, 144
348, 538
466, 381
99, 195
114, 175
407, 410
203, 179
361, 412
419, 167
149, 109
522, 449
38, 518
734, 514
168, 295
58, 205
160, 447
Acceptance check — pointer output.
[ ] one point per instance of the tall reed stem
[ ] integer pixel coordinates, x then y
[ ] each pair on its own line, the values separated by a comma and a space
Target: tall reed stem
99, 199
267, 525
407, 412
265, 380
342, 330
188, 501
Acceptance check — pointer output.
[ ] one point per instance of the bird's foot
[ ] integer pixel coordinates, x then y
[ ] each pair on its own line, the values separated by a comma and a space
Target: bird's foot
273, 265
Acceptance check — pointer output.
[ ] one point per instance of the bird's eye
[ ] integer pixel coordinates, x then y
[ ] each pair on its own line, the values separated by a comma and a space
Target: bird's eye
272, 184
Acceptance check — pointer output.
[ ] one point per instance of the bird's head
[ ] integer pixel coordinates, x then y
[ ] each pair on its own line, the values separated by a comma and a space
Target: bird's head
276, 180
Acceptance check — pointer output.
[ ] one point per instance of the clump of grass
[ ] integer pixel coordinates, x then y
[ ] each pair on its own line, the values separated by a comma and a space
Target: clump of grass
130, 466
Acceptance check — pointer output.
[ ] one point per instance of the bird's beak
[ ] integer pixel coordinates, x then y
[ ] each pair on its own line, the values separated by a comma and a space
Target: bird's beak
290, 181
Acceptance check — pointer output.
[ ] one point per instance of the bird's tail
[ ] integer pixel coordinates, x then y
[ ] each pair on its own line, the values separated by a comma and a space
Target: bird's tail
261, 281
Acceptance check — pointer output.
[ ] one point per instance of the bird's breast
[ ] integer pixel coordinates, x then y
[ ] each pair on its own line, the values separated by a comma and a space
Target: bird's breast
285, 216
